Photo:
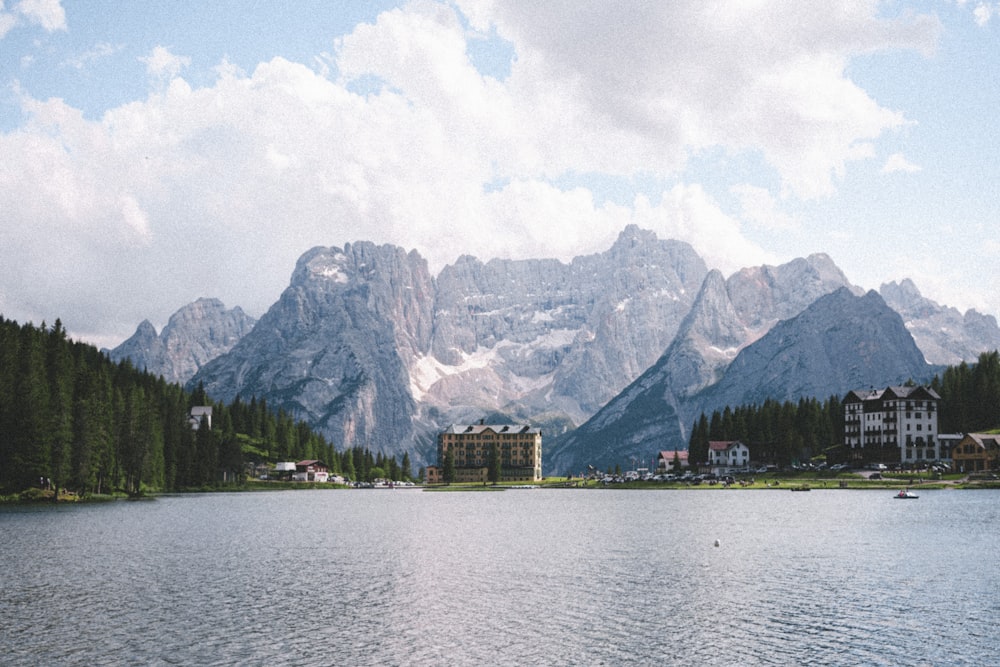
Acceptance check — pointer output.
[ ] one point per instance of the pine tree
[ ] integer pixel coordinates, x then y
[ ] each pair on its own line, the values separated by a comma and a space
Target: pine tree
59, 367
29, 451
406, 471
448, 473
347, 466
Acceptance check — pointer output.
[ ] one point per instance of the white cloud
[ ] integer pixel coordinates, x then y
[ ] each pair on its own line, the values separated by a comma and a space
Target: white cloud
759, 207
672, 78
49, 14
161, 63
7, 22
984, 13
99, 51
897, 162
216, 190
688, 213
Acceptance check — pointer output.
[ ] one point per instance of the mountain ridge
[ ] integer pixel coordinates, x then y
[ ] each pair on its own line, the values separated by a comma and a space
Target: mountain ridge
372, 349
804, 356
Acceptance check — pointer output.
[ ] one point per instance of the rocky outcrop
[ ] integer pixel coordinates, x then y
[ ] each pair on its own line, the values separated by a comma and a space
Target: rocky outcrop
335, 349
539, 337
943, 334
194, 335
839, 342
367, 347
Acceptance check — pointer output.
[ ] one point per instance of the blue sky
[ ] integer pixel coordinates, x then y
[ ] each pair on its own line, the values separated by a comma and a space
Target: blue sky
154, 153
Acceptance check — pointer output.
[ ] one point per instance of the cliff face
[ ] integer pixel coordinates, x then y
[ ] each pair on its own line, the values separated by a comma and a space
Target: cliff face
943, 334
367, 347
194, 335
370, 348
538, 337
839, 342
334, 350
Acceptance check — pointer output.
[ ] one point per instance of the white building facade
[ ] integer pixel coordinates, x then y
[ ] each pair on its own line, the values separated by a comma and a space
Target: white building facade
892, 424
728, 456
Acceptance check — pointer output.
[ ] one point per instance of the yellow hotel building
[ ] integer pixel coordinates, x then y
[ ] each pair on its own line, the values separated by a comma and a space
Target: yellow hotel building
470, 444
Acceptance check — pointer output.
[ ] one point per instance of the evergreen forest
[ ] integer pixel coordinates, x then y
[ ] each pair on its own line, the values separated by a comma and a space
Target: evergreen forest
73, 420
787, 432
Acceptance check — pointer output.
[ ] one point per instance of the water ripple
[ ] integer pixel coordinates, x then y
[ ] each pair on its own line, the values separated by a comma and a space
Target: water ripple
528, 578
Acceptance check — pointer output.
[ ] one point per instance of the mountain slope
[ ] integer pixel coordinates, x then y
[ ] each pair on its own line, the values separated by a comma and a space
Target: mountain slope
367, 347
333, 349
943, 334
194, 335
838, 343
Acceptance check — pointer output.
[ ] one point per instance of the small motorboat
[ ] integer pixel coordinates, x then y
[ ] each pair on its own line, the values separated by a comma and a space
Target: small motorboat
906, 494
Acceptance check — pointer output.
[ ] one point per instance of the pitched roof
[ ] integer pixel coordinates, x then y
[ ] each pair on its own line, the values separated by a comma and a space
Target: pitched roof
985, 440
456, 429
668, 454
722, 445
917, 392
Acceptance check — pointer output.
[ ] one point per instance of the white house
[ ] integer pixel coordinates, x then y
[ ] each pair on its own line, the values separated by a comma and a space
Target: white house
727, 456
196, 414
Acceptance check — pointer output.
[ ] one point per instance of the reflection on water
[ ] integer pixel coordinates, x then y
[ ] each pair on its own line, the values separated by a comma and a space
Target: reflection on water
529, 577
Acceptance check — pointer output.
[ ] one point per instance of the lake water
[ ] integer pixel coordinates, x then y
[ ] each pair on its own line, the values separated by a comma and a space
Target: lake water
521, 577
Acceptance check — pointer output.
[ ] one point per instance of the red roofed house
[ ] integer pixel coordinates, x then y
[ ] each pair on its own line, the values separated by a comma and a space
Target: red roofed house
728, 456
665, 460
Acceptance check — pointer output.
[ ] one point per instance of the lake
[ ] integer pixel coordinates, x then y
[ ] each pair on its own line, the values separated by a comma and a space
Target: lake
520, 577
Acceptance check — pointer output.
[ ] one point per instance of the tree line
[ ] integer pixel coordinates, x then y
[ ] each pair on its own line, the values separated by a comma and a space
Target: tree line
72, 419
785, 432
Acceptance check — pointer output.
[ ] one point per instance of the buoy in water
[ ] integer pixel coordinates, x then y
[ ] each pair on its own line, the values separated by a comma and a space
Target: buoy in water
718, 543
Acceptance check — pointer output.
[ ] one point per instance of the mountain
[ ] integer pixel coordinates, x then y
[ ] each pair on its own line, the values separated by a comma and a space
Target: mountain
840, 342
334, 350
371, 349
729, 315
367, 347
194, 335
943, 334
539, 337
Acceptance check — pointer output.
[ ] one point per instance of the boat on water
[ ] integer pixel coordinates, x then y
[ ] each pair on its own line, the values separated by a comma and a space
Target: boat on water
906, 494
802, 487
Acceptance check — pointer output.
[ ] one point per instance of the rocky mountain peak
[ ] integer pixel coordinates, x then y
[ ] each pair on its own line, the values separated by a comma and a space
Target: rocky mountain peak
145, 331
631, 237
943, 334
194, 335
371, 349
839, 342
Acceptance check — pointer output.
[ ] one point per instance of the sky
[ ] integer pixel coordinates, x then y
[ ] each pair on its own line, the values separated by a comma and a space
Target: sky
154, 153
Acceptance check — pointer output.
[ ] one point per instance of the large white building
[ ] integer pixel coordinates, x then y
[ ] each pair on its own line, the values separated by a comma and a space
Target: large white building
892, 424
